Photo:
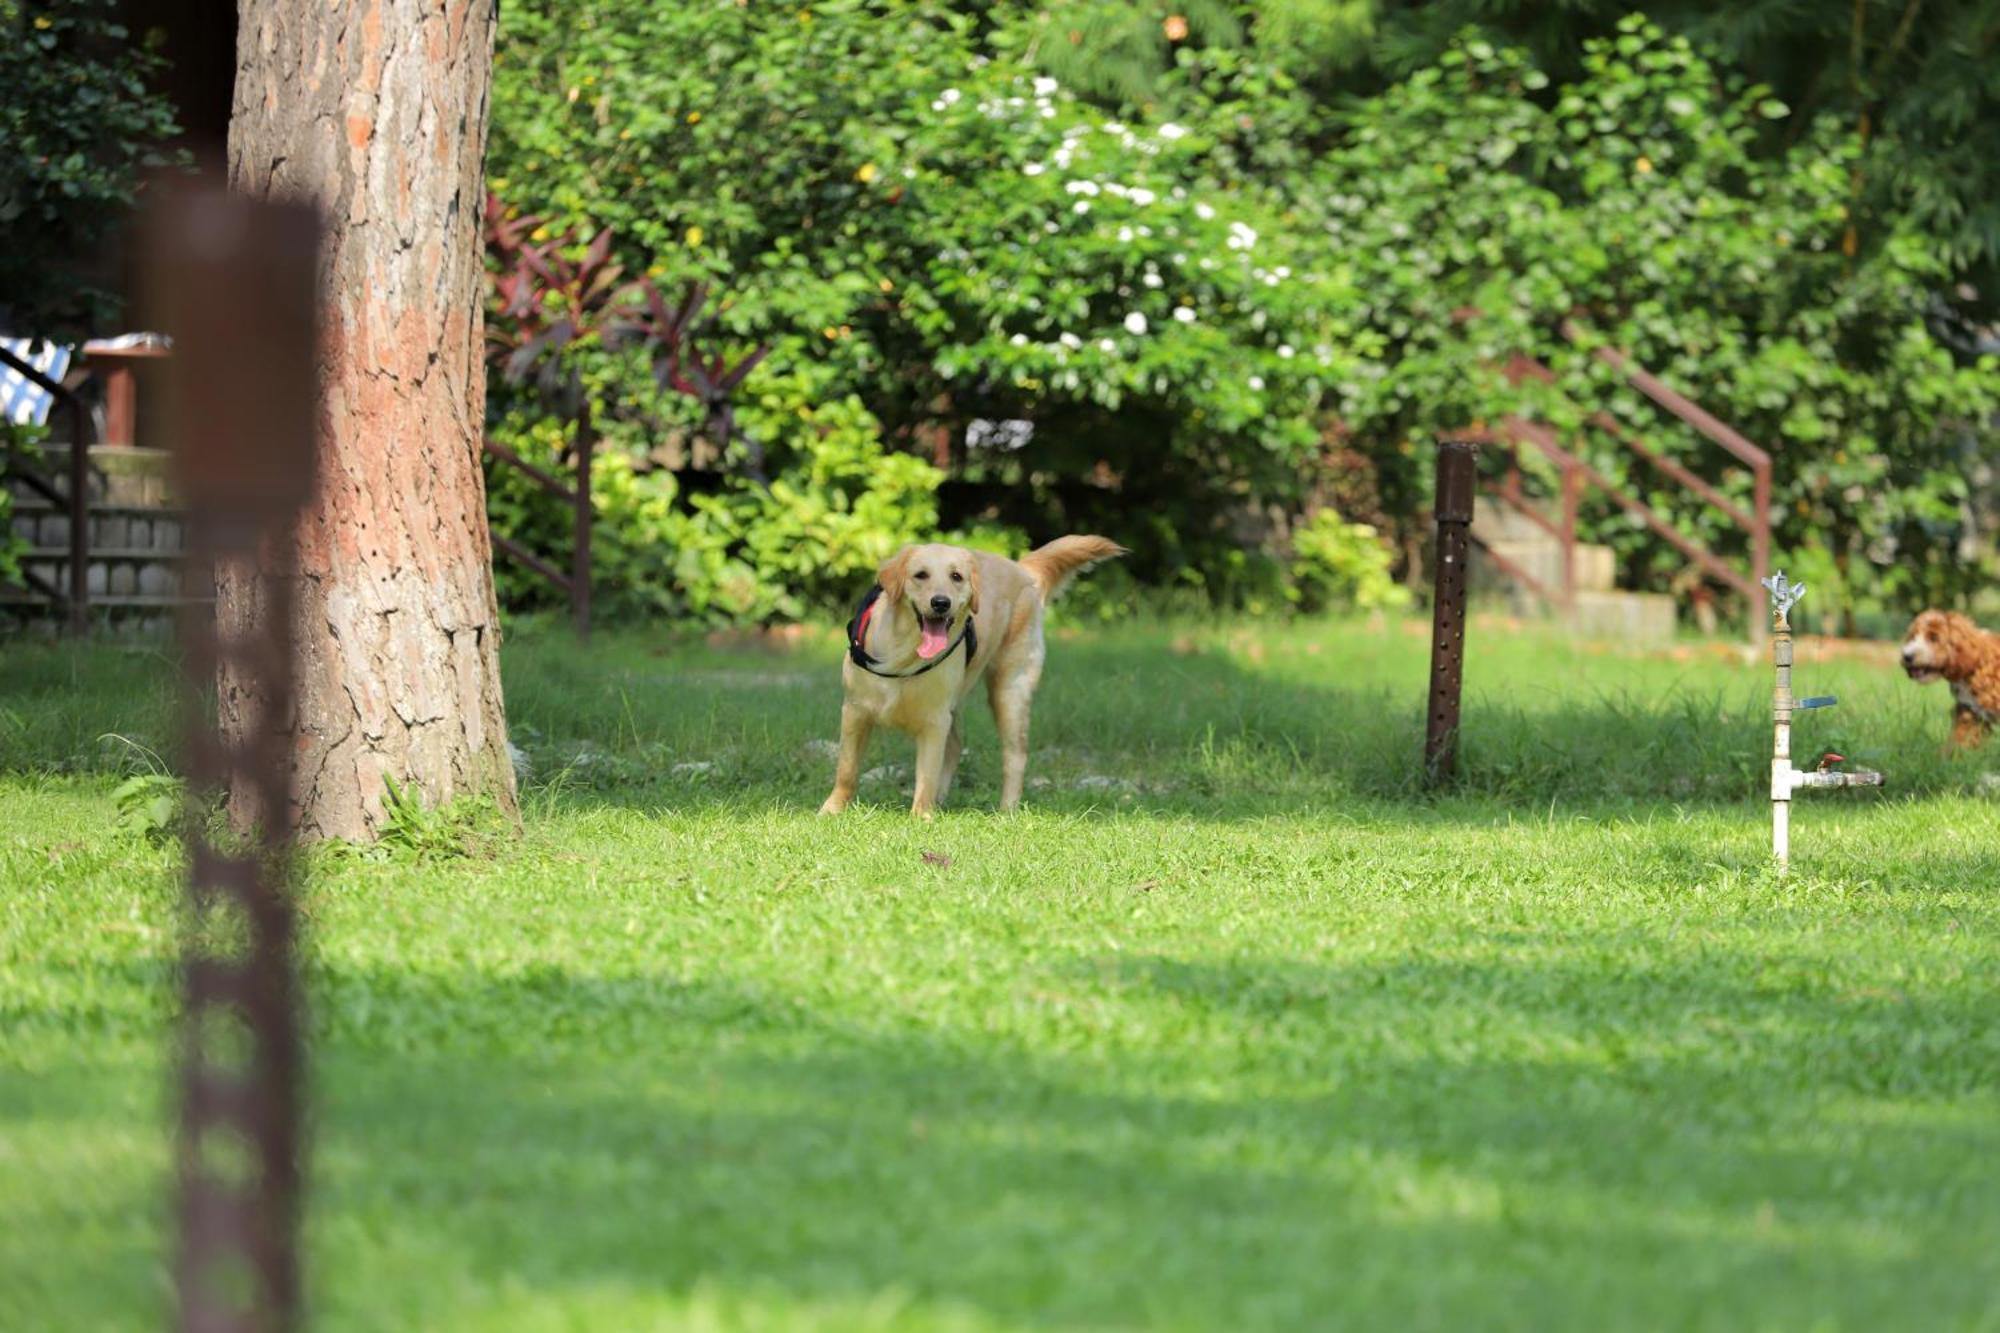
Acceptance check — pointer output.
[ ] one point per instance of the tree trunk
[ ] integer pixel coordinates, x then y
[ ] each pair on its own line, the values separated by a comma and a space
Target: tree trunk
376, 111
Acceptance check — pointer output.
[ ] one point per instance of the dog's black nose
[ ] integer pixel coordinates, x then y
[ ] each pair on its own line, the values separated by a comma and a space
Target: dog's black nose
940, 604
1909, 654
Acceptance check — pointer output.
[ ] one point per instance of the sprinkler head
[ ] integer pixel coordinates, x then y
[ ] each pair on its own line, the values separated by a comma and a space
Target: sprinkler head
1784, 593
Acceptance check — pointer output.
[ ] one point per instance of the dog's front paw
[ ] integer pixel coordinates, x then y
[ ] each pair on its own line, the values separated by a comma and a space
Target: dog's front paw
833, 805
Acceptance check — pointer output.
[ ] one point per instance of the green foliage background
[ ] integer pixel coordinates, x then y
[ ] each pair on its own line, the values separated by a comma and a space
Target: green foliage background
1195, 262
78, 122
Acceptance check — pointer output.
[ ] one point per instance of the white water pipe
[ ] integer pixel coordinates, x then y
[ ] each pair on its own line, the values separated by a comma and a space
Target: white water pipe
1784, 778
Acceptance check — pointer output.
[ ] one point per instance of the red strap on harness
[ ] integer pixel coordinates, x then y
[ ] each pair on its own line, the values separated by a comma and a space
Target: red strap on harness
857, 633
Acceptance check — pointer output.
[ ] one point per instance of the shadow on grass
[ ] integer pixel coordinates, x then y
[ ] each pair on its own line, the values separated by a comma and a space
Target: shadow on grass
1331, 1146
1745, 1134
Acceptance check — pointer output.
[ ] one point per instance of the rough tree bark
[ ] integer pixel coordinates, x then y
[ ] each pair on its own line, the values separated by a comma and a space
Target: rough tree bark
376, 110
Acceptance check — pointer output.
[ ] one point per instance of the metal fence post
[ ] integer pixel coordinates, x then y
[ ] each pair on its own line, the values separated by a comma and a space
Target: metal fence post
579, 576
1455, 488
79, 523
236, 283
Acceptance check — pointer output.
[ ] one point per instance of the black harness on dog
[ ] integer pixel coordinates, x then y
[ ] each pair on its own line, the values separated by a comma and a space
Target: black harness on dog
857, 631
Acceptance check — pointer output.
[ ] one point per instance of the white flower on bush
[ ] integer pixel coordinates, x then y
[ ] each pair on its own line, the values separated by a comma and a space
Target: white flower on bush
1152, 279
1112, 127
1044, 87
1083, 205
1257, 383
1241, 236
1106, 345
1070, 340
1125, 235
1185, 314
1283, 271
1115, 190
1033, 169
1172, 131
1018, 340
1082, 187
947, 98
1204, 212
1135, 323
1142, 196
1285, 351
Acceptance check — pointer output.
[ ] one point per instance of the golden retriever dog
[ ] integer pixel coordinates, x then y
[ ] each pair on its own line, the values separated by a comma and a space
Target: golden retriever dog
939, 620
1943, 645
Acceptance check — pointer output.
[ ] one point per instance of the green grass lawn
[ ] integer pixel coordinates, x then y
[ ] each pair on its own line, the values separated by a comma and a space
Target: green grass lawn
1232, 1027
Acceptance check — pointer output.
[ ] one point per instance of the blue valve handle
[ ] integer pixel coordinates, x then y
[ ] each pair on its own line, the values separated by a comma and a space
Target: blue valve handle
1818, 701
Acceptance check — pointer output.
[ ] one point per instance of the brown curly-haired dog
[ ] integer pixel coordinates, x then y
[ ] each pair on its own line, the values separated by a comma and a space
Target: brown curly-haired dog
1943, 645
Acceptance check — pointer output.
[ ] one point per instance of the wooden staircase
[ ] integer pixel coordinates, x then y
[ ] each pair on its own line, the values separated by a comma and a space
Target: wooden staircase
135, 569
1532, 541
1515, 556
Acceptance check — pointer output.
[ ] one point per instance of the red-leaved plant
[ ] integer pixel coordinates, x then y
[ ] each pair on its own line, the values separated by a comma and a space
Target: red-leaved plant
551, 299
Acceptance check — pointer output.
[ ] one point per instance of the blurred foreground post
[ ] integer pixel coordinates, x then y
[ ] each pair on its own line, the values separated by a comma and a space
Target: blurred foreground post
235, 283
1455, 478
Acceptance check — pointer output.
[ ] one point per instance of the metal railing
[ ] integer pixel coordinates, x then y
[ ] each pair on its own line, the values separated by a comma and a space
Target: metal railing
574, 585
1574, 475
76, 502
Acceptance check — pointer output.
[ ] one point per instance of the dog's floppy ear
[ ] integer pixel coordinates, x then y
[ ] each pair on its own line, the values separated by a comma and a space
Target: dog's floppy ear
1956, 637
972, 588
893, 575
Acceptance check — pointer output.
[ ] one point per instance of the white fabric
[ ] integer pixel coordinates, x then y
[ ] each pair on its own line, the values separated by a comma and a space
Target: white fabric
21, 399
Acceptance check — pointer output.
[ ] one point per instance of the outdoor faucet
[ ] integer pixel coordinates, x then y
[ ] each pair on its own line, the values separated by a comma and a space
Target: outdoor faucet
1784, 778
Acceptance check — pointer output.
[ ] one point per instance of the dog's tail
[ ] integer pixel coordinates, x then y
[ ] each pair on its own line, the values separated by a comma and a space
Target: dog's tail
1054, 565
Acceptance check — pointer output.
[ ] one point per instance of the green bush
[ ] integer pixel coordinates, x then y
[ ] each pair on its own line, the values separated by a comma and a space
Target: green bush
1339, 564
79, 125
1190, 297
895, 195
17, 439
1655, 200
838, 505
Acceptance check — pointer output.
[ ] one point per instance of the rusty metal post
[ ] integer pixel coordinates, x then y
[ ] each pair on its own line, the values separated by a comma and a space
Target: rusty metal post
236, 287
1455, 488
1760, 542
579, 573
79, 523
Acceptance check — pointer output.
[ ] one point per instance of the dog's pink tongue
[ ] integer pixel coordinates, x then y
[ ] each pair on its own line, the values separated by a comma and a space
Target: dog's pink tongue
932, 642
